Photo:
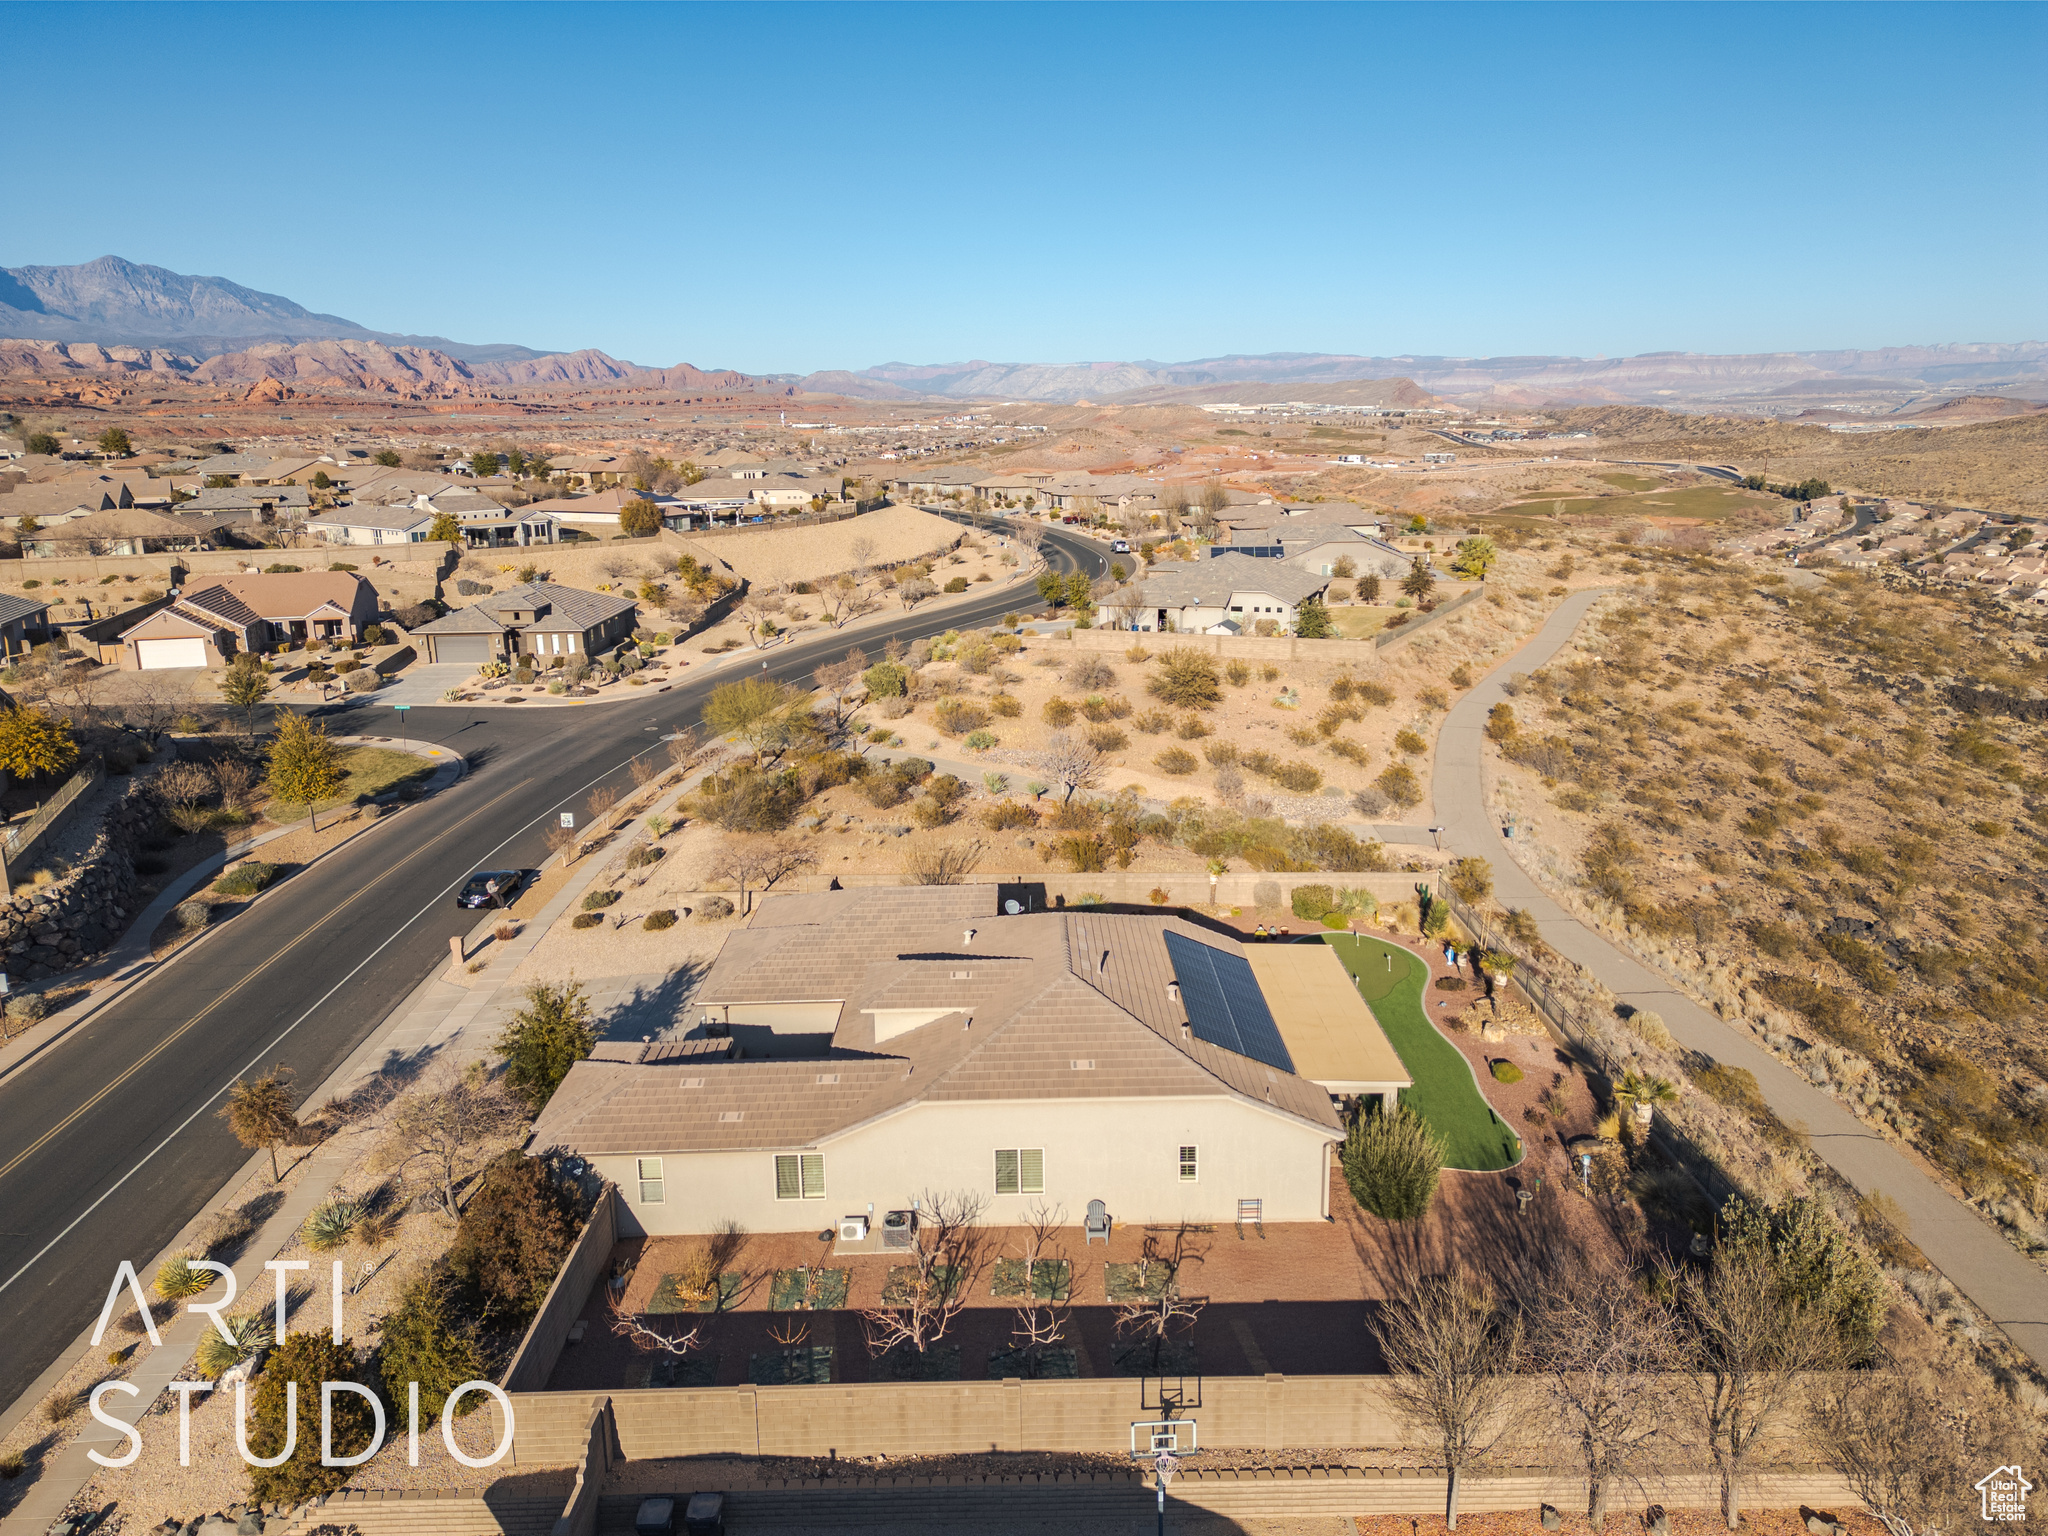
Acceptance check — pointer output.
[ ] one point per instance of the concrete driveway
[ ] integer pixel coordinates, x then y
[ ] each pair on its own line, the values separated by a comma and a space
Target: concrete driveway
424, 683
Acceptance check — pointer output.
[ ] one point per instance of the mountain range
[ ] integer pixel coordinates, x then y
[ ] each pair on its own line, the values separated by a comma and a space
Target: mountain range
114, 316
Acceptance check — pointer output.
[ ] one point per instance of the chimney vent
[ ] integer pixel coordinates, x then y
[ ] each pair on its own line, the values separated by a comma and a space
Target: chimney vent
967, 938
1173, 991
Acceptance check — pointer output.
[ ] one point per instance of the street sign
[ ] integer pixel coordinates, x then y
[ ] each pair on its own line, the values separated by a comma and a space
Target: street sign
569, 820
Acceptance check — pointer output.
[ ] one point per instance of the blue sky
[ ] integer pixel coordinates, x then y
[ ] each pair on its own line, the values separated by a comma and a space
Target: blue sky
786, 187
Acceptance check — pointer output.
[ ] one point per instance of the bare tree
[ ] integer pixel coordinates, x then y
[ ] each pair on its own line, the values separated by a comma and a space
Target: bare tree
1070, 761
1162, 1309
1043, 1312
1214, 499
1603, 1355
1911, 1437
1452, 1350
934, 861
642, 1336
445, 1131
838, 677
1748, 1341
1027, 533
915, 590
862, 552
759, 862
924, 1296
1173, 506
152, 707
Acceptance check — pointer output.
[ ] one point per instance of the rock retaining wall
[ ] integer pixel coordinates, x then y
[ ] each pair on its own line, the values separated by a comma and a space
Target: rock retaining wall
81, 913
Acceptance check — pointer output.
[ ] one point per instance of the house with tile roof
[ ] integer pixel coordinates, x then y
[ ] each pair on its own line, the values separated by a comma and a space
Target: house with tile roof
254, 611
1227, 595
855, 1049
543, 619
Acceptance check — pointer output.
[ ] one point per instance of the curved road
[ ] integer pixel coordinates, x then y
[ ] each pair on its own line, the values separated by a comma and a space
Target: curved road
2006, 1286
108, 1139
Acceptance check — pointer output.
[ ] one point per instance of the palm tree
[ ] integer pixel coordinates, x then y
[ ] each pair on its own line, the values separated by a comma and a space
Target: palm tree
1638, 1091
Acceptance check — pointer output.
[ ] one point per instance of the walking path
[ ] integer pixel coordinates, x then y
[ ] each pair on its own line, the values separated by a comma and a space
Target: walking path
2008, 1287
440, 1019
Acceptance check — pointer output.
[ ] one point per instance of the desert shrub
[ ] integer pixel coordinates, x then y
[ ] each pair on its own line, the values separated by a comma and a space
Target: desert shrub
1175, 761
886, 679
1815, 1263
714, 909
1090, 673
62, 1405
1827, 1009
306, 1359
1238, 674
1649, 1027
1005, 814
746, 798
1312, 901
1185, 678
512, 1237
597, 901
1397, 781
424, 1343
1471, 879
1505, 1072
1220, 753
1005, 706
247, 880
1301, 778
1153, 721
655, 921
251, 1332
178, 1280
1192, 728
1450, 983
332, 1223
1336, 920
1392, 1162
1864, 961
1058, 713
957, 584
1266, 893
1410, 742
643, 854
979, 741
956, 717
586, 920
1106, 738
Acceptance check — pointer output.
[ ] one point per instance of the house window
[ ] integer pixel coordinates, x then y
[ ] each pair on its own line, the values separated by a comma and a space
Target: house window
1020, 1170
799, 1175
1189, 1167
650, 1180
572, 645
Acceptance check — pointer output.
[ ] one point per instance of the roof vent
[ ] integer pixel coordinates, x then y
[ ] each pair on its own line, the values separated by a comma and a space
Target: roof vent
828, 1077
963, 976
1083, 1066
1173, 991
967, 938
731, 1116
1102, 964
693, 1082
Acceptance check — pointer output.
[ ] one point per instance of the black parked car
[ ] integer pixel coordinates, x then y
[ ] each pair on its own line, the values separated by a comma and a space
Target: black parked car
493, 888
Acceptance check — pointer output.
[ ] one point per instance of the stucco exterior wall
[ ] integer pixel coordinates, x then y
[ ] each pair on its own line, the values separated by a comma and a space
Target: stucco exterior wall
1124, 1152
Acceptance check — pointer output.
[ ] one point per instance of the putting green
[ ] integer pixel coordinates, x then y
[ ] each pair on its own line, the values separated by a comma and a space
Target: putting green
1445, 1094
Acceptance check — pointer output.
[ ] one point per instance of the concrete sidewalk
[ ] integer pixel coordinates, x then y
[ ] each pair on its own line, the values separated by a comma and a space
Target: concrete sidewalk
129, 961
2008, 1287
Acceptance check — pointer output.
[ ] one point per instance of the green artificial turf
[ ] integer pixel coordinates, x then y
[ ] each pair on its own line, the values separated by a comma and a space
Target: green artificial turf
1392, 981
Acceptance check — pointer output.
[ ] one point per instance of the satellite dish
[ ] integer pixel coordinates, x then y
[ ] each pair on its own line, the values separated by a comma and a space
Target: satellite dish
1013, 906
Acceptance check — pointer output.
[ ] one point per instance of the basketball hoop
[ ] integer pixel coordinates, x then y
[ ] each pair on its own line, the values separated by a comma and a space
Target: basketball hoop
1164, 1464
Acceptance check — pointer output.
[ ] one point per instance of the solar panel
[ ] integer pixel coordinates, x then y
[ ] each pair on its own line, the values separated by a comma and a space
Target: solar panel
1224, 1003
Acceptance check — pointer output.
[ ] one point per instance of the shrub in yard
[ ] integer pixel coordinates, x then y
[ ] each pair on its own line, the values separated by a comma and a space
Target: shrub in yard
643, 855
1373, 693
1193, 728
979, 741
543, 1040
597, 901
1005, 814
512, 1237
715, 908
956, 717
1505, 1072
177, 1279
332, 1224
62, 1405
1238, 674
1005, 706
1107, 738
25, 1008
1409, 742
1336, 920
423, 1343
1175, 760
957, 584
12, 1465
366, 681
1392, 1161
1471, 879
1397, 781
306, 1359
1449, 983
1058, 713
586, 920
252, 1332
1312, 901
247, 880
886, 679
654, 922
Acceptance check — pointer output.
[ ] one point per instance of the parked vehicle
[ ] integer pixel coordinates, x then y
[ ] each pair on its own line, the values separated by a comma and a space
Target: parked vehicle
493, 888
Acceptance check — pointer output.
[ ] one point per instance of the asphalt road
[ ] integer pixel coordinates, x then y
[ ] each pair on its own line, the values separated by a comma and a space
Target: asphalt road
109, 1142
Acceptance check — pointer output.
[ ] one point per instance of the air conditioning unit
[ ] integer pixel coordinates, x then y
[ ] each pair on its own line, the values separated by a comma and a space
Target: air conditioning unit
899, 1229
853, 1229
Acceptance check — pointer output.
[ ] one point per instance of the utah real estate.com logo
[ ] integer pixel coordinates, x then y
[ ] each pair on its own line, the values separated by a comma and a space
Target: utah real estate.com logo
2005, 1495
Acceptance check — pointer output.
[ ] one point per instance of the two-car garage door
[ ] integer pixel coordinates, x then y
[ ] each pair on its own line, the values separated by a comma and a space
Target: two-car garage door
475, 649
151, 654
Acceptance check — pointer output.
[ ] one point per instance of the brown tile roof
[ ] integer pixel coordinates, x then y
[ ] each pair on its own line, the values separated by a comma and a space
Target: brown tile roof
1043, 1005
290, 594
